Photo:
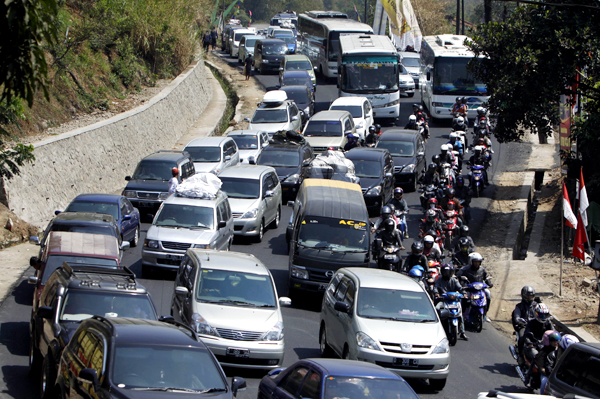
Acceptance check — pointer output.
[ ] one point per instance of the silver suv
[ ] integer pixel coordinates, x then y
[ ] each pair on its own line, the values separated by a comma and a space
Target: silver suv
274, 116
254, 193
213, 154
183, 223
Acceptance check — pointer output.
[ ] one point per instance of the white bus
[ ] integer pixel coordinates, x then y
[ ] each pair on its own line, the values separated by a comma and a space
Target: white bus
444, 76
368, 67
319, 34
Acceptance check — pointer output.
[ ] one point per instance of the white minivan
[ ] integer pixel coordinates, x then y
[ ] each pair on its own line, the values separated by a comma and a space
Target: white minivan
361, 110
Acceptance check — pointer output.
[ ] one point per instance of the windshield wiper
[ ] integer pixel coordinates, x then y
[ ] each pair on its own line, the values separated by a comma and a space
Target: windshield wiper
235, 302
426, 321
209, 390
165, 389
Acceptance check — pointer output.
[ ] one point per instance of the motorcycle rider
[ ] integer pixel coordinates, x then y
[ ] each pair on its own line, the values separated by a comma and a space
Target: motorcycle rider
372, 136
455, 245
429, 250
534, 331
459, 124
463, 194
431, 176
431, 222
421, 116
478, 158
460, 107
415, 258
389, 236
412, 123
474, 272
352, 142
456, 144
524, 311
448, 283
386, 213
461, 257
400, 205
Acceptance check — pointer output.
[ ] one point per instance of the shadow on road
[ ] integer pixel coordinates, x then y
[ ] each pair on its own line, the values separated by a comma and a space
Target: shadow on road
305, 353
501, 368
23, 293
19, 384
14, 335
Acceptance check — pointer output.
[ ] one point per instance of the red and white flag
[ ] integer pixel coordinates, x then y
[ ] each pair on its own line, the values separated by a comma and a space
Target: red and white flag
580, 234
567, 210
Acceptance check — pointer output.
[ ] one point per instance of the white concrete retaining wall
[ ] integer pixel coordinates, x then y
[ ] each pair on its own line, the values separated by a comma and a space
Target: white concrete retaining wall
97, 158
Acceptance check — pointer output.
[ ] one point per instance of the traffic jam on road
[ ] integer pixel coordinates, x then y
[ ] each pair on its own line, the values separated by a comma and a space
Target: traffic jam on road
315, 236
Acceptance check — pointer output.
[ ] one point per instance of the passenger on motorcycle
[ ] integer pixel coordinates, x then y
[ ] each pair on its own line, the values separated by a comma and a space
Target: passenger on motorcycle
524, 311
456, 245
431, 222
386, 213
415, 258
461, 257
446, 155
460, 107
448, 283
565, 341
431, 176
352, 142
474, 272
449, 197
479, 158
400, 205
546, 357
372, 136
534, 331
421, 116
390, 236
459, 124
456, 144
429, 250
412, 123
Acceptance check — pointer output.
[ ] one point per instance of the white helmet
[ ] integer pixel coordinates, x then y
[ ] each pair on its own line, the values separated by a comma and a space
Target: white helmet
567, 340
454, 135
428, 239
444, 147
479, 148
460, 121
475, 256
412, 118
481, 110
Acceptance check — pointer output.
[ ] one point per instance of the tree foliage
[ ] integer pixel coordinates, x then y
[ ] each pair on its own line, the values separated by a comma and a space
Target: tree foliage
430, 14
539, 53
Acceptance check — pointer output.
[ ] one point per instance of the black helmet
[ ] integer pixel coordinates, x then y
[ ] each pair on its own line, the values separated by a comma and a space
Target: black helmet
386, 211
527, 294
458, 99
389, 225
463, 243
378, 127
447, 270
421, 108
416, 106
464, 230
436, 159
432, 166
432, 233
464, 100
460, 180
372, 129
392, 207
450, 192
417, 247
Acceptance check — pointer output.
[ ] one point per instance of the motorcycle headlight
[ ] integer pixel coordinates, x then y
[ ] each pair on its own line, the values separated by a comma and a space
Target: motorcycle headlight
153, 244
251, 214
163, 196
364, 341
292, 178
129, 194
201, 326
299, 272
275, 333
374, 190
409, 168
442, 347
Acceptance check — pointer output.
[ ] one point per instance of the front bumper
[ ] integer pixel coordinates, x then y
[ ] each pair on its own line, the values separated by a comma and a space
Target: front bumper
404, 177
261, 354
246, 227
386, 112
430, 366
146, 206
161, 258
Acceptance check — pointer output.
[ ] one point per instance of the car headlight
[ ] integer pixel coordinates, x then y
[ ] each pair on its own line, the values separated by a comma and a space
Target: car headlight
129, 194
392, 103
299, 272
265, 61
409, 168
374, 190
201, 326
364, 341
359, 125
163, 196
274, 334
203, 246
442, 347
251, 214
153, 244
292, 178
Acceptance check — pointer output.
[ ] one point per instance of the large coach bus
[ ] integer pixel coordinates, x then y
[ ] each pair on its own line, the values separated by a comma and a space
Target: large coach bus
319, 34
444, 76
368, 67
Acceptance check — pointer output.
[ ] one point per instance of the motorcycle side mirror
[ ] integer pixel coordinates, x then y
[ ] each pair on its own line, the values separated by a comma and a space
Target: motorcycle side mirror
444, 314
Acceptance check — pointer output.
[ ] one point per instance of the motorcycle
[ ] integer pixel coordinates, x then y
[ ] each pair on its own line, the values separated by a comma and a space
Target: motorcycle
401, 216
430, 191
476, 179
388, 257
450, 227
524, 364
447, 177
452, 302
463, 139
476, 303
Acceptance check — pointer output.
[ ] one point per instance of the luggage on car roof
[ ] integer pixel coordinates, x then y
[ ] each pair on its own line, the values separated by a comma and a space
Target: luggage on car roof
285, 136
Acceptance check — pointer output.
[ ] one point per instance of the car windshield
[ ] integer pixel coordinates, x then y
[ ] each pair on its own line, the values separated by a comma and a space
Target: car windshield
282, 159
301, 65
367, 169
283, 32
154, 170
185, 216
238, 36
246, 141
240, 188
398, 148
83, 304
332, 234
379, 303
166, 367
296, 81
355, 110
107, 208
274, 49
366, 388
411, 62
323, 129
299, 96
370, 74
250, 42
452, 77
270, 116
232, 288
55, 261
204, 154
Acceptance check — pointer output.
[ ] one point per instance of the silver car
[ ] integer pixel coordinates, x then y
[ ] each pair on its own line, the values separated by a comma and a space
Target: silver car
250, 143
384, 317
213, 154
183, 223
254, 193
230, 300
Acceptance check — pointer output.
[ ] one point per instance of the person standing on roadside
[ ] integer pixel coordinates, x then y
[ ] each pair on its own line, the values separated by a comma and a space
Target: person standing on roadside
248, 66
213, 37
206, 41
174, 181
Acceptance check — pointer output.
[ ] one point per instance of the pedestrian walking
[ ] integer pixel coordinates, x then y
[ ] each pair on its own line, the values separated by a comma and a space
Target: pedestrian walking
174, 182
206, 41
213, 37
248, 66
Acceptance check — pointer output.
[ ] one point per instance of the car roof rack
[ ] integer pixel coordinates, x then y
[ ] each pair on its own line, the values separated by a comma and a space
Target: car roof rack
71, 268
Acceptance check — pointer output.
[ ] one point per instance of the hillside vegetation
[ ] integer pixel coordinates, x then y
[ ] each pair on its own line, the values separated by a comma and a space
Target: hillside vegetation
106, 50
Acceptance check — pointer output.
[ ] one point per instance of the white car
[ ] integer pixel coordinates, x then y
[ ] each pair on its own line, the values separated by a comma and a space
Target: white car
383, 317
231, 301
412, 63
234, 46
281, 31
250, 143
213, 154
276, 113
406, 82
361, 110
247, 46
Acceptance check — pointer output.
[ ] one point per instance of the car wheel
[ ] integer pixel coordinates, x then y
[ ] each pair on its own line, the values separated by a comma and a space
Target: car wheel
146, 271
324, 347
48, 378
437, 385
136, 237
346, 353
275, 222
261, 232
411, 94
35, 357
413, 184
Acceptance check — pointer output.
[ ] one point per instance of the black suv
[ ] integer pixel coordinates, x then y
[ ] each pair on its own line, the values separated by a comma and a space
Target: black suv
74, 293
132, 358
290, 159
149, 185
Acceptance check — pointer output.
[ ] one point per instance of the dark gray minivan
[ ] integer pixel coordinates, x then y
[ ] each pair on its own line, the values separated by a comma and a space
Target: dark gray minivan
268, 54
577, 372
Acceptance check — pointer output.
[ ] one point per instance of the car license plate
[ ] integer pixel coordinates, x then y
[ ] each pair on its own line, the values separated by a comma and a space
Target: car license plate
237, 352
322, 287
175, 257
406, 362
389, 256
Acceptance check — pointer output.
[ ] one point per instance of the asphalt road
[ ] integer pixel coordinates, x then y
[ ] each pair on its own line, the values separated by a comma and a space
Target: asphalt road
481, 364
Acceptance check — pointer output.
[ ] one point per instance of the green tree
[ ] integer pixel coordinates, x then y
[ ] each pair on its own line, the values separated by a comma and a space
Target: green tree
535, 56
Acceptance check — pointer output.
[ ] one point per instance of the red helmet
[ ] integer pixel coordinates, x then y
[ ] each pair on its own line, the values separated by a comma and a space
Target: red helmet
451, 205
175, 171
432, 201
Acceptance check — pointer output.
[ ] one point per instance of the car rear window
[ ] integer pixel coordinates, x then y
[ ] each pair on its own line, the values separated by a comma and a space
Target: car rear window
323, 129
581, 370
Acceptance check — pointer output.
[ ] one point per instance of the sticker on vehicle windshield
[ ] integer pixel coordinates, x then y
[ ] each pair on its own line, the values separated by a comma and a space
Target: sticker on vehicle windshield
356, 225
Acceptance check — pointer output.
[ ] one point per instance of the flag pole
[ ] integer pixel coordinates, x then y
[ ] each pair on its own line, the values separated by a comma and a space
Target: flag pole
562, 239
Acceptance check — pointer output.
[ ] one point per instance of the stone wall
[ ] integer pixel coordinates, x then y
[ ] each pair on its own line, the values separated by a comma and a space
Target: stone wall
97, 158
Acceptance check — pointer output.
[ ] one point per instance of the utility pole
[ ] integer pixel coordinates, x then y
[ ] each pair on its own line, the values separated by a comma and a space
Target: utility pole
365, 21
487, 11
458, 16
463, 17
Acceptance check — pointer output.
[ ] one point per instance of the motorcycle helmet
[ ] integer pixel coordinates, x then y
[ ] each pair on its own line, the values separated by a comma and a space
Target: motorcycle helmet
550, 336
389, 225
415, 107
378, 128
432, 167
433, 203
432, 233
386, 211
464, 100
483, 122
457, 100
398, 190
460, 121
415, 273
460, 181
372, 129
444, 148
351, 136
412, 118
420, 108
464, 231
453, 136
481, 142
174, 172
475, 257
463, 244
418, 267
447, 270
431, 214
416, 247
450, 192
392, 208
428, 240
436, 159
542, 313
567, 340
527, 294
477, 150
481, 111
450, 205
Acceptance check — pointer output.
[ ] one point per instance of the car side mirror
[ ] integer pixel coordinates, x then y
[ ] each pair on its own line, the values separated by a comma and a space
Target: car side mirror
127, 217
444, 314
45, 312
57, 212
125, 245
222, 224
280, 69
342, 307
34, 262
266, 144
228, 157
347, 132
388, 174
421, 154
89, 376
34, 240
247, 119
237, 384
181, 291
285, 301
269, 193
128, 178
315, 68
251, 160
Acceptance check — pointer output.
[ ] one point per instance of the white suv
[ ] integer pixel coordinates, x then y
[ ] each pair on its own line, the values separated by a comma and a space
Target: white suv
276, 113
361, 110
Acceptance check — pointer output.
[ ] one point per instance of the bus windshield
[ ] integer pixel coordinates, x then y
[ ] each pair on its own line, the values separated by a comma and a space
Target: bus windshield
450, 76
370, 74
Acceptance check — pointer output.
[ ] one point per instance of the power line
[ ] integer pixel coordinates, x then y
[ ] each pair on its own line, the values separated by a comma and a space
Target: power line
539, 3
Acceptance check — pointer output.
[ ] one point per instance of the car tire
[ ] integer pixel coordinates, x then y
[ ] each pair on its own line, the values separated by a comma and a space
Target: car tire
324, 347
261, 232
411, 94
35, 357
136, 237
437, 385
146, 271
346, 352
48, 377
413, 184
275, 223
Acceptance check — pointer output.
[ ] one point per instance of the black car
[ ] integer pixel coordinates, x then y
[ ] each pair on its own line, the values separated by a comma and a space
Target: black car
268, 54
149, 185
289, 160
375, 168
131, 358
408, 151
303, 98
577, 371
74, 293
